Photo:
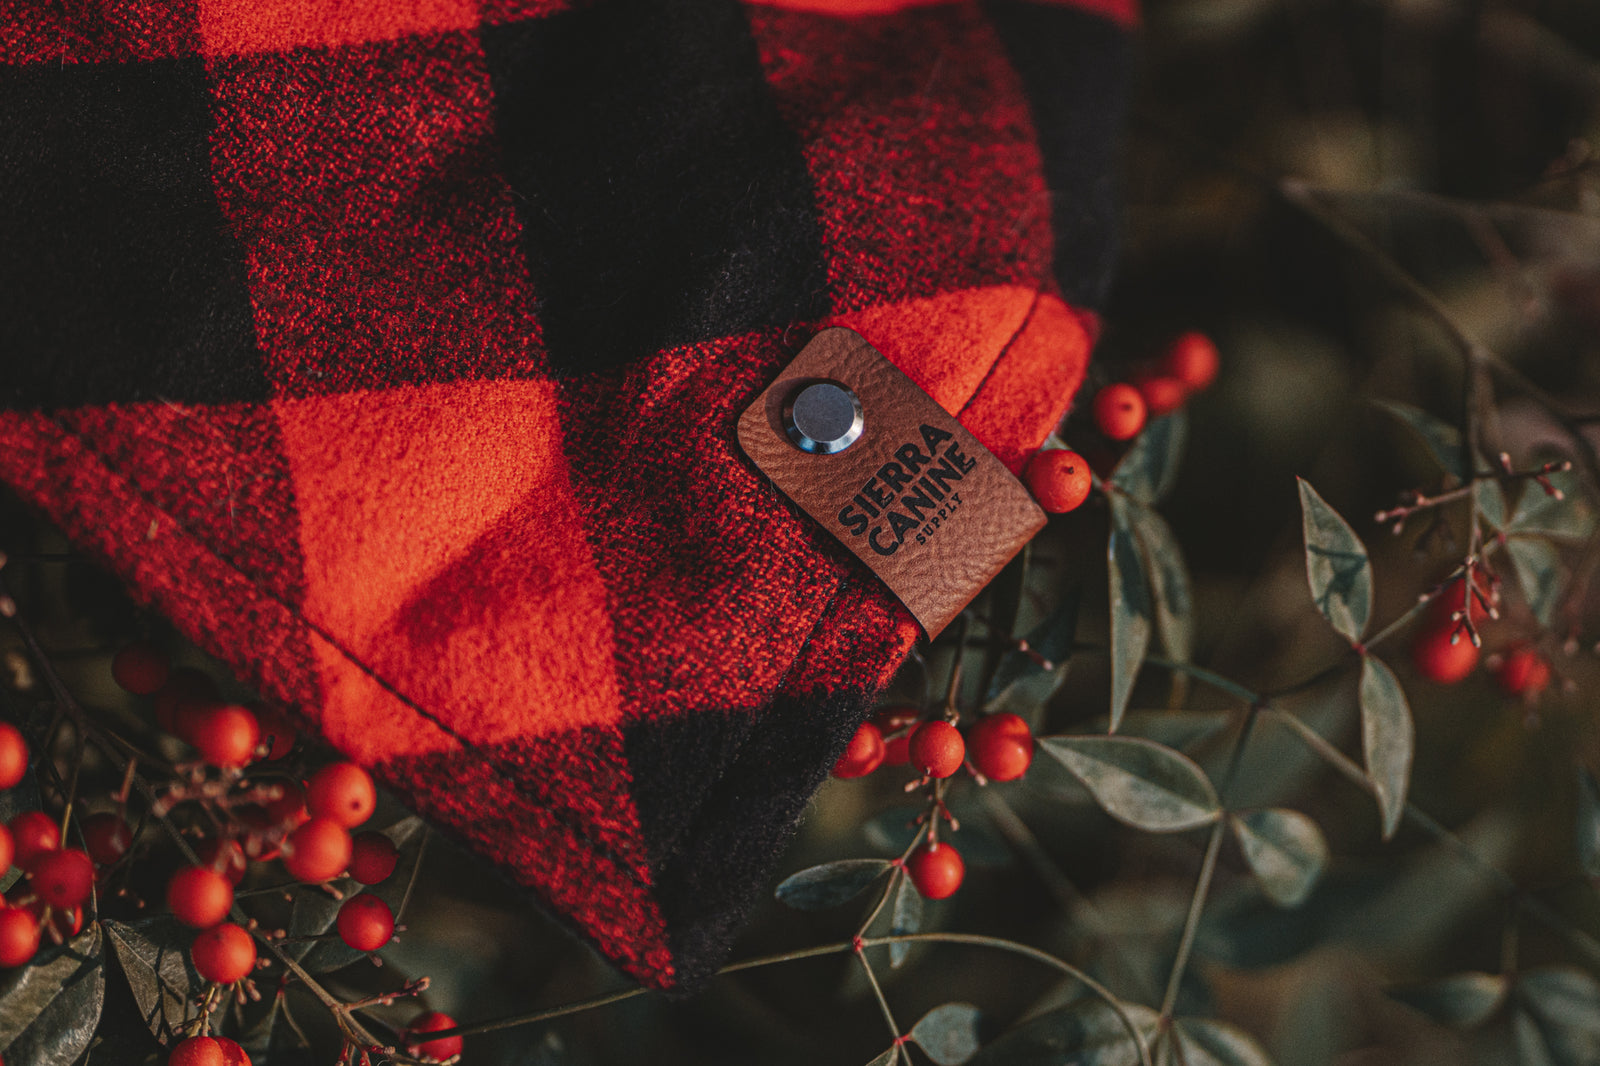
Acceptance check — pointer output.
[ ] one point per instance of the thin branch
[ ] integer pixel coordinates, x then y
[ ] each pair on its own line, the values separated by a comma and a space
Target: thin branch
1191, 922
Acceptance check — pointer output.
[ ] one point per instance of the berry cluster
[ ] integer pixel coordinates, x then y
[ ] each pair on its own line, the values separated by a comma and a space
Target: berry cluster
998, 747
1060, 479
1447, 648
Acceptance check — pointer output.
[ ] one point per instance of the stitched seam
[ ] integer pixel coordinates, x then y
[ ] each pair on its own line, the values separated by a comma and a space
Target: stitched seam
194, 538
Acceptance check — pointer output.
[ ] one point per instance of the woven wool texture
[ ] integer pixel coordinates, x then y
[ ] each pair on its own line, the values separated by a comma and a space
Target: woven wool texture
394, 350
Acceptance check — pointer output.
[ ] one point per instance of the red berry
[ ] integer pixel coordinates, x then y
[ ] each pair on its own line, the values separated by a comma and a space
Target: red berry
342, 791
936, 870
318, 851
1523, 671
208, 1051
1001, 746
275, 732
1162, 395
225, 735
33, 834
1119, 411
1192, 359
13, 755
431, 1022
19, 936
863, 755
63, 877
937, 748
199, 896
373, 857
224, 857
1453, 598
106, 837
1059, 479
184, 685
1437, 659
365, 922
140, 668
224, 953
8, 850
896, 725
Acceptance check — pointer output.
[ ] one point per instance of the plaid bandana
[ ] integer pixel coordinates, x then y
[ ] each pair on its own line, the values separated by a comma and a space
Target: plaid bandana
394, 351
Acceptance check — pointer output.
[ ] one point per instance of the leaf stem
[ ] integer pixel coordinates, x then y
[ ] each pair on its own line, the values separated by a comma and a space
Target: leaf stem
1191, 922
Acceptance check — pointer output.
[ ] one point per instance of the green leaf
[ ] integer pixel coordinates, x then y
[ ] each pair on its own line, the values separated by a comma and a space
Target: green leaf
154, 957
1169, 582
1569, 518
1336, 566
1086, 1033
1388, 739
907, 919
948, 1033
1285, 851
1564, 1004
1151, 466
1130, 609
1588, 823
315, 912
1491, 502
1531, 1047
818, 888
1021, 685
1443, 439
50, 1008
1461, 1000
1138, 782
1175, 729
1208, 1043
1539, 575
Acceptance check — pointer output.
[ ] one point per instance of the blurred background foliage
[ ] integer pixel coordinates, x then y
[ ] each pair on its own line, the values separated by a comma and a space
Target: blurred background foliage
1460, 137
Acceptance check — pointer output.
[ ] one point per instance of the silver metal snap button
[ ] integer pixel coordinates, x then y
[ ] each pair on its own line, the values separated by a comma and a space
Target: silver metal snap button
823, 418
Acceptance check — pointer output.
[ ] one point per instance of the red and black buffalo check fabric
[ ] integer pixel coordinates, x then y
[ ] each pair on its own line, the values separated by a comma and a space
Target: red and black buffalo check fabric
394, 349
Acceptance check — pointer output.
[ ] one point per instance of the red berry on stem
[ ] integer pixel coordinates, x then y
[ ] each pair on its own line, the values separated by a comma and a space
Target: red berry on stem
373, 857
1059, 479
223, 953
342, 791
1437, 659
106, 836
8, 850
863, 755
33, 834
1119, 411
937, 748
13, 755
318, 851
63, 877
140, 668
208, 1051
1001, 746
365, 922
224, 857
1523, 671
416, 1042
936, 870
199, 896
1162, 395
225, 735
1192, 358
19, 936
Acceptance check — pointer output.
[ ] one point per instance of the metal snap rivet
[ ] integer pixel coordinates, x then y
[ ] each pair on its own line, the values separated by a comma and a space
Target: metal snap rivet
823, 418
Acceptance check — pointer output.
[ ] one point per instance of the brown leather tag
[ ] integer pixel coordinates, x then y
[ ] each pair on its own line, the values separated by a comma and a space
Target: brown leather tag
915, 497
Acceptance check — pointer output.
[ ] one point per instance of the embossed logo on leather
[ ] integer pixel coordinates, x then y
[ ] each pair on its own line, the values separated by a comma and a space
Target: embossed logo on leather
889, 473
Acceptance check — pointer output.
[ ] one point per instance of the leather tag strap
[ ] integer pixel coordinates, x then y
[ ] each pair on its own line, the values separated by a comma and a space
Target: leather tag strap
902, 485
